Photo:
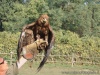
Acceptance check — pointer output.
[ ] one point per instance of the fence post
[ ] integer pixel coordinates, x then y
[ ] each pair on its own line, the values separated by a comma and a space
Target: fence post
73, 61
52, 60
11, 55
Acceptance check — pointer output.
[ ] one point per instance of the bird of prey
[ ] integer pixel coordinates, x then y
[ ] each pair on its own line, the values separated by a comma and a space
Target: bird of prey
39, 29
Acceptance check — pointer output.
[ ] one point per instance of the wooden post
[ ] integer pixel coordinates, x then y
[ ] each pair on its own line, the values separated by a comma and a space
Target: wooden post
73, 59
11, 54
51, 57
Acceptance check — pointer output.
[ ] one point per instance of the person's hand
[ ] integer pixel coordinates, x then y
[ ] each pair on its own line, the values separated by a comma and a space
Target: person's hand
3, 66
31, 50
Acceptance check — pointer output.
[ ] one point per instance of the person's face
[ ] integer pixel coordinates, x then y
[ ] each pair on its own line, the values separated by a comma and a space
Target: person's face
3, 68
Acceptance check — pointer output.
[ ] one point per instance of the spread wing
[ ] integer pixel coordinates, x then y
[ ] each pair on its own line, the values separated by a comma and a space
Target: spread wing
51, 40
26, 38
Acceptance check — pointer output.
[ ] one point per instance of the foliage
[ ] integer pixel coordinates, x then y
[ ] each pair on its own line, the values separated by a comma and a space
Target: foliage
8, 42
69, 42
76, 24
79, 16
66, 43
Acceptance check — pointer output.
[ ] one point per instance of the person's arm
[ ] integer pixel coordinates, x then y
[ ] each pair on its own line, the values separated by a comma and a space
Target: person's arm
31, 50
12, 70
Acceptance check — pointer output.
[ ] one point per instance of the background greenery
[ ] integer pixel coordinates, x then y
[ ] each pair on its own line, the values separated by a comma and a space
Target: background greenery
76, 24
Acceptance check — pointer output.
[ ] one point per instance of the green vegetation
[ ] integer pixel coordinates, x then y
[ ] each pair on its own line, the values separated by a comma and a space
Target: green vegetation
76, 24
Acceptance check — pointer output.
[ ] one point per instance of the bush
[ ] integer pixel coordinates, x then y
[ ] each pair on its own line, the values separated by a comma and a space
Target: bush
66, 43
8, 41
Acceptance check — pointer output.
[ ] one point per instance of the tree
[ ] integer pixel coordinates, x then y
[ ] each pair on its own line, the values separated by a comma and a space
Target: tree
17, 14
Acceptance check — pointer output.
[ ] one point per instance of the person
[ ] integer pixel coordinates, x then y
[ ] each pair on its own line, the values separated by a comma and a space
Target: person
3, 66
27, 54
8, 70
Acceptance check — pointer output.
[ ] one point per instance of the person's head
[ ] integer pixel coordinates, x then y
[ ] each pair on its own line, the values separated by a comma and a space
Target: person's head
3, 66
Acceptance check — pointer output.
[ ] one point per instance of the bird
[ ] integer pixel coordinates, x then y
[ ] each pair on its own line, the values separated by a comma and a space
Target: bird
40, 29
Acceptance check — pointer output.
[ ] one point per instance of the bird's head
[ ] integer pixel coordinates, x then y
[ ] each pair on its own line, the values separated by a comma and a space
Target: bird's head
43, 20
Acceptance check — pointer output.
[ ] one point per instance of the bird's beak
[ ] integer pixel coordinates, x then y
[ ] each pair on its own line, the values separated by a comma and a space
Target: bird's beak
44, 21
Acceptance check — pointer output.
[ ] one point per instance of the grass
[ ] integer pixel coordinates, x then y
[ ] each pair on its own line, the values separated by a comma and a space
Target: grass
60, 69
